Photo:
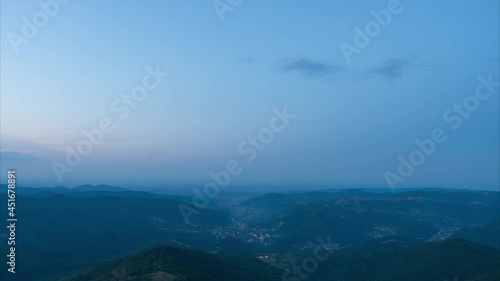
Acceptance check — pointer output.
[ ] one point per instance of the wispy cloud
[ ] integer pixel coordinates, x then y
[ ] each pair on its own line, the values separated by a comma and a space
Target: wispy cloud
389, 70
312, 68
16, 156
393, 69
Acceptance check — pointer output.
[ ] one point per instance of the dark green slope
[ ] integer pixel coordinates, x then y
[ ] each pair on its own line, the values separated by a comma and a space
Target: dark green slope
351, 221
413, 215
446, 260
61, 233
169, 263
488, 235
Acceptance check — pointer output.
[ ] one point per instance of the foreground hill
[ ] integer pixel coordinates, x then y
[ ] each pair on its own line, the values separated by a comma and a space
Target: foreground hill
446, 260
168, 263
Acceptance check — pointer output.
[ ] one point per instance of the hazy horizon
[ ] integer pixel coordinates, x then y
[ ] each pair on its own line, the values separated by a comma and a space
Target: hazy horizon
182, 187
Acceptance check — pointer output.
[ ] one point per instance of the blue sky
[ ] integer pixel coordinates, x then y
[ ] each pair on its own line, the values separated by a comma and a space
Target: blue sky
225, 78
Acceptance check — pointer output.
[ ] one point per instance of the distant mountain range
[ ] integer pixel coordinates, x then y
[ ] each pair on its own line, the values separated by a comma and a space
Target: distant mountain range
85, 188
69, 230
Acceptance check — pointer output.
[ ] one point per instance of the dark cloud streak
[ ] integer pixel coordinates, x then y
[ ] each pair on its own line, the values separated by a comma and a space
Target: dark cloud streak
312, 68
393, 69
